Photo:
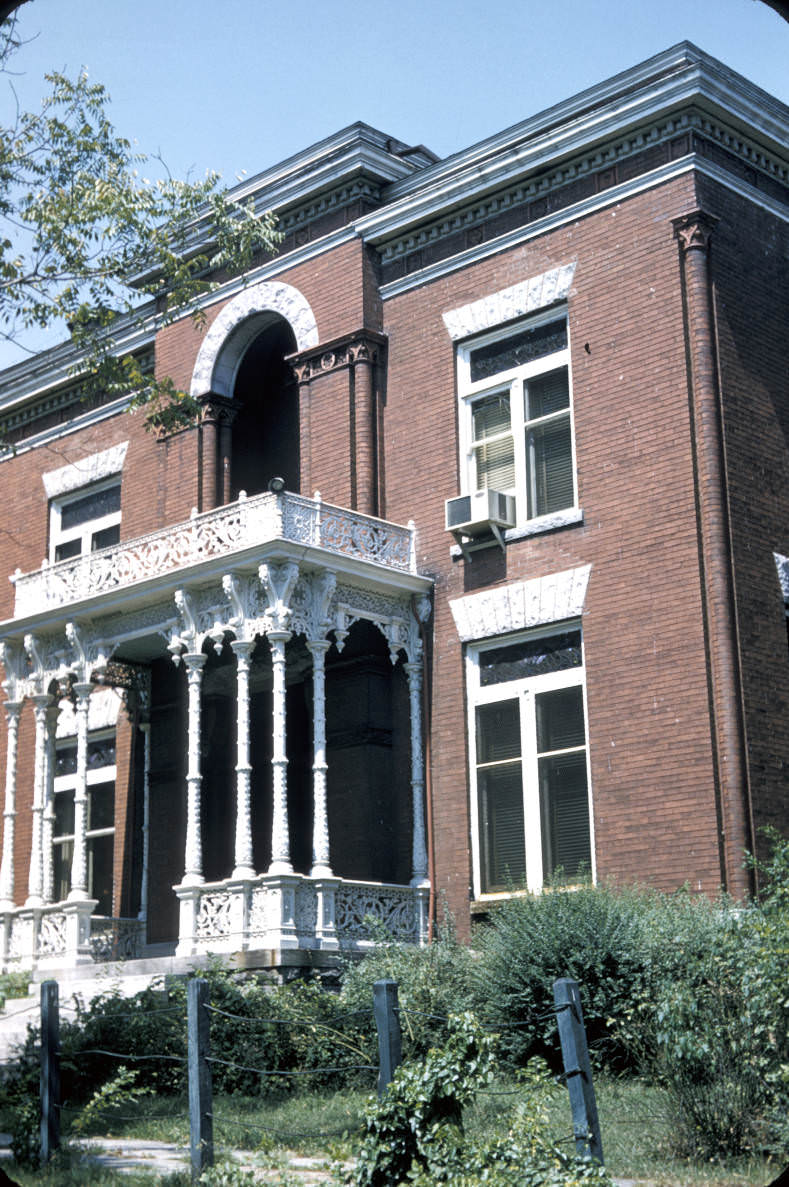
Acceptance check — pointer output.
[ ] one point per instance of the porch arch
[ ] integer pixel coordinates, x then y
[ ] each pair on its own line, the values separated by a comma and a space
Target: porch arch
239, 324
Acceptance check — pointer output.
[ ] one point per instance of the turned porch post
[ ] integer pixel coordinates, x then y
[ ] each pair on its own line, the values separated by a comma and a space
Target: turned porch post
79, 860
243, 862
193, 852
12, 711
48, 823
280, 837
145, 730
35, 882
419, 845
321, 867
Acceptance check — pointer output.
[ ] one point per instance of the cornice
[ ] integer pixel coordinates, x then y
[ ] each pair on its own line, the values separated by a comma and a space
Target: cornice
681, 78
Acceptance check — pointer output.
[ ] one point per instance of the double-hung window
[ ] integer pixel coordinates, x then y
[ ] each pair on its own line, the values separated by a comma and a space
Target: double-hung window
85, 520
516, 416
100, 835
531, 817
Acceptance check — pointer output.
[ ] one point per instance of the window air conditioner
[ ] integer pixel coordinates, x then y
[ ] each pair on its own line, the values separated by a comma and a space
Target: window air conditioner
479, 514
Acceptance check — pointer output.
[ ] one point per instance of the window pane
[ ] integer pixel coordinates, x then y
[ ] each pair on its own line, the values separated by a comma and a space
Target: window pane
533, 657
501, 827
64, 552
560, 719
547, 393
493, 445
550, 461
66, 762
62, 855
564, 808
101, 805
105, 538
521, 348
498, 732
91, 506
64, 813
101, 754
100, 851
495, 465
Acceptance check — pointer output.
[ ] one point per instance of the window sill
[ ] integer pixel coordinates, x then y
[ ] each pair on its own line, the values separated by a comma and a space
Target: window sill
570, 517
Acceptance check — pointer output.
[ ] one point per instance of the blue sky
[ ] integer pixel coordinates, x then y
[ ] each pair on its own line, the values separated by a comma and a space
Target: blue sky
237, 85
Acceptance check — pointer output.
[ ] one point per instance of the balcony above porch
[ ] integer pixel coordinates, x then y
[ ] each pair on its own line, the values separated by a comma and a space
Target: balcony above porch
239, 533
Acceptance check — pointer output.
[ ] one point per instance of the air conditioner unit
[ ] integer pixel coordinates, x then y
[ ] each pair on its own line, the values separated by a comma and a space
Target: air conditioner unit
480, 514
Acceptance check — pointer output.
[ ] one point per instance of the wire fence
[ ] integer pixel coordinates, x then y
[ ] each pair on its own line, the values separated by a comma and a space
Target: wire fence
206, 1066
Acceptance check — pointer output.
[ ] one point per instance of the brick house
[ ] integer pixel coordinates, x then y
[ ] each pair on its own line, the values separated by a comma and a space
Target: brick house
531, 628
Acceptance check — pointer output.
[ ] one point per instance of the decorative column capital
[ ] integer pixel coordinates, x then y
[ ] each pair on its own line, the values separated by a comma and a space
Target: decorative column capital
694, 230
362, 346
216, 409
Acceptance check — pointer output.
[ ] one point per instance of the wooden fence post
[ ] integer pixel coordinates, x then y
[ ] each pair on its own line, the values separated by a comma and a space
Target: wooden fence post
201, 1121
50, 1070
387, 1020
577, 1069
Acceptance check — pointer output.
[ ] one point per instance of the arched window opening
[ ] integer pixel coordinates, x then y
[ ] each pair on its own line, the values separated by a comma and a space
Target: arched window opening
266, 427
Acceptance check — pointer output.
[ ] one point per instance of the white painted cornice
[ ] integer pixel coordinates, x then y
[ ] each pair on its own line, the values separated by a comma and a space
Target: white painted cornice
680, 77
357, 149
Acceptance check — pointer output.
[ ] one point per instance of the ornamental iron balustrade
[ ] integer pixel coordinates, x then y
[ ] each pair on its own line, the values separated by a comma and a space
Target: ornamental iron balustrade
248, 523
116, 939
359, 912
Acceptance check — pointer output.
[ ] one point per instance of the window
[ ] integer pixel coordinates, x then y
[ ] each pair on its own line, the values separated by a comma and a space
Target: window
531, 819
100, 836
85, 521
516, 416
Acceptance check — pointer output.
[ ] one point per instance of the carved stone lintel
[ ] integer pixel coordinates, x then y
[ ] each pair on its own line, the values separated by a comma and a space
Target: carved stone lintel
694, 230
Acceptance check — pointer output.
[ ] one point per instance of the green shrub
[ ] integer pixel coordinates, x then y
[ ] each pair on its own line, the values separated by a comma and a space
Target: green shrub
415, 1134
595, 935
433, 982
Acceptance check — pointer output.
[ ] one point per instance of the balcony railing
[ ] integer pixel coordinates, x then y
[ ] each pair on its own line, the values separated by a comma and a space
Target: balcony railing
227, 530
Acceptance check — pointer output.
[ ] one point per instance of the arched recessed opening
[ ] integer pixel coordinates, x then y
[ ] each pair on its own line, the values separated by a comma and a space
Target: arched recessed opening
266, 426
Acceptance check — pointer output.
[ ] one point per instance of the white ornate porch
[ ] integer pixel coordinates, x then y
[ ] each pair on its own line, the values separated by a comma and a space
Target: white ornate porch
263, 570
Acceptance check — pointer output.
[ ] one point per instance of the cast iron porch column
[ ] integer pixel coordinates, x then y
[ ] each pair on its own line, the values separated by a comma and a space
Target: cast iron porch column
280, 836
12, 712
419, 844
79, 860
243, 861
193, 852
320, 820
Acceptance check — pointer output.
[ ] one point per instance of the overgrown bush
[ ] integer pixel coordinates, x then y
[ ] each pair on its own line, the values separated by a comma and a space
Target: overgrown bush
719, 1029
596, 935
433, 982
415, 1134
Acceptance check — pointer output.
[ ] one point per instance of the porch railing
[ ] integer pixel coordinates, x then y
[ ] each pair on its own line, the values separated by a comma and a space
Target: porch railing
284, 912
238, 526
295, 911
66, 934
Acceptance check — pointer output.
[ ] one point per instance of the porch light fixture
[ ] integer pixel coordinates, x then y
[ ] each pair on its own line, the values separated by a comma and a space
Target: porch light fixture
276, 485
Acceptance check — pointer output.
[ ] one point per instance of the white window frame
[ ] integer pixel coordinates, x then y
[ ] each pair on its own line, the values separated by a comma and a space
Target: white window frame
513, 381
84, 531
65, 783
525, 691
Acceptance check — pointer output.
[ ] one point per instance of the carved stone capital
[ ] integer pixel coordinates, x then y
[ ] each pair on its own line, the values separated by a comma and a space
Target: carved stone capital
363, 346
217, 410
694, 230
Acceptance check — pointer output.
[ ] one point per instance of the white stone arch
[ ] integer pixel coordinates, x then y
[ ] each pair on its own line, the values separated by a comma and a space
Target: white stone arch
239, 323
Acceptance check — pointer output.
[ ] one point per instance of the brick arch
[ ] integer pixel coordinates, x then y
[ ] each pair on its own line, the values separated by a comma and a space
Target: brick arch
239, 323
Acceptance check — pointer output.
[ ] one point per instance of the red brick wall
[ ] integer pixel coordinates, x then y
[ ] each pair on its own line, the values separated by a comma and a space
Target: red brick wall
751, 289
651, 764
